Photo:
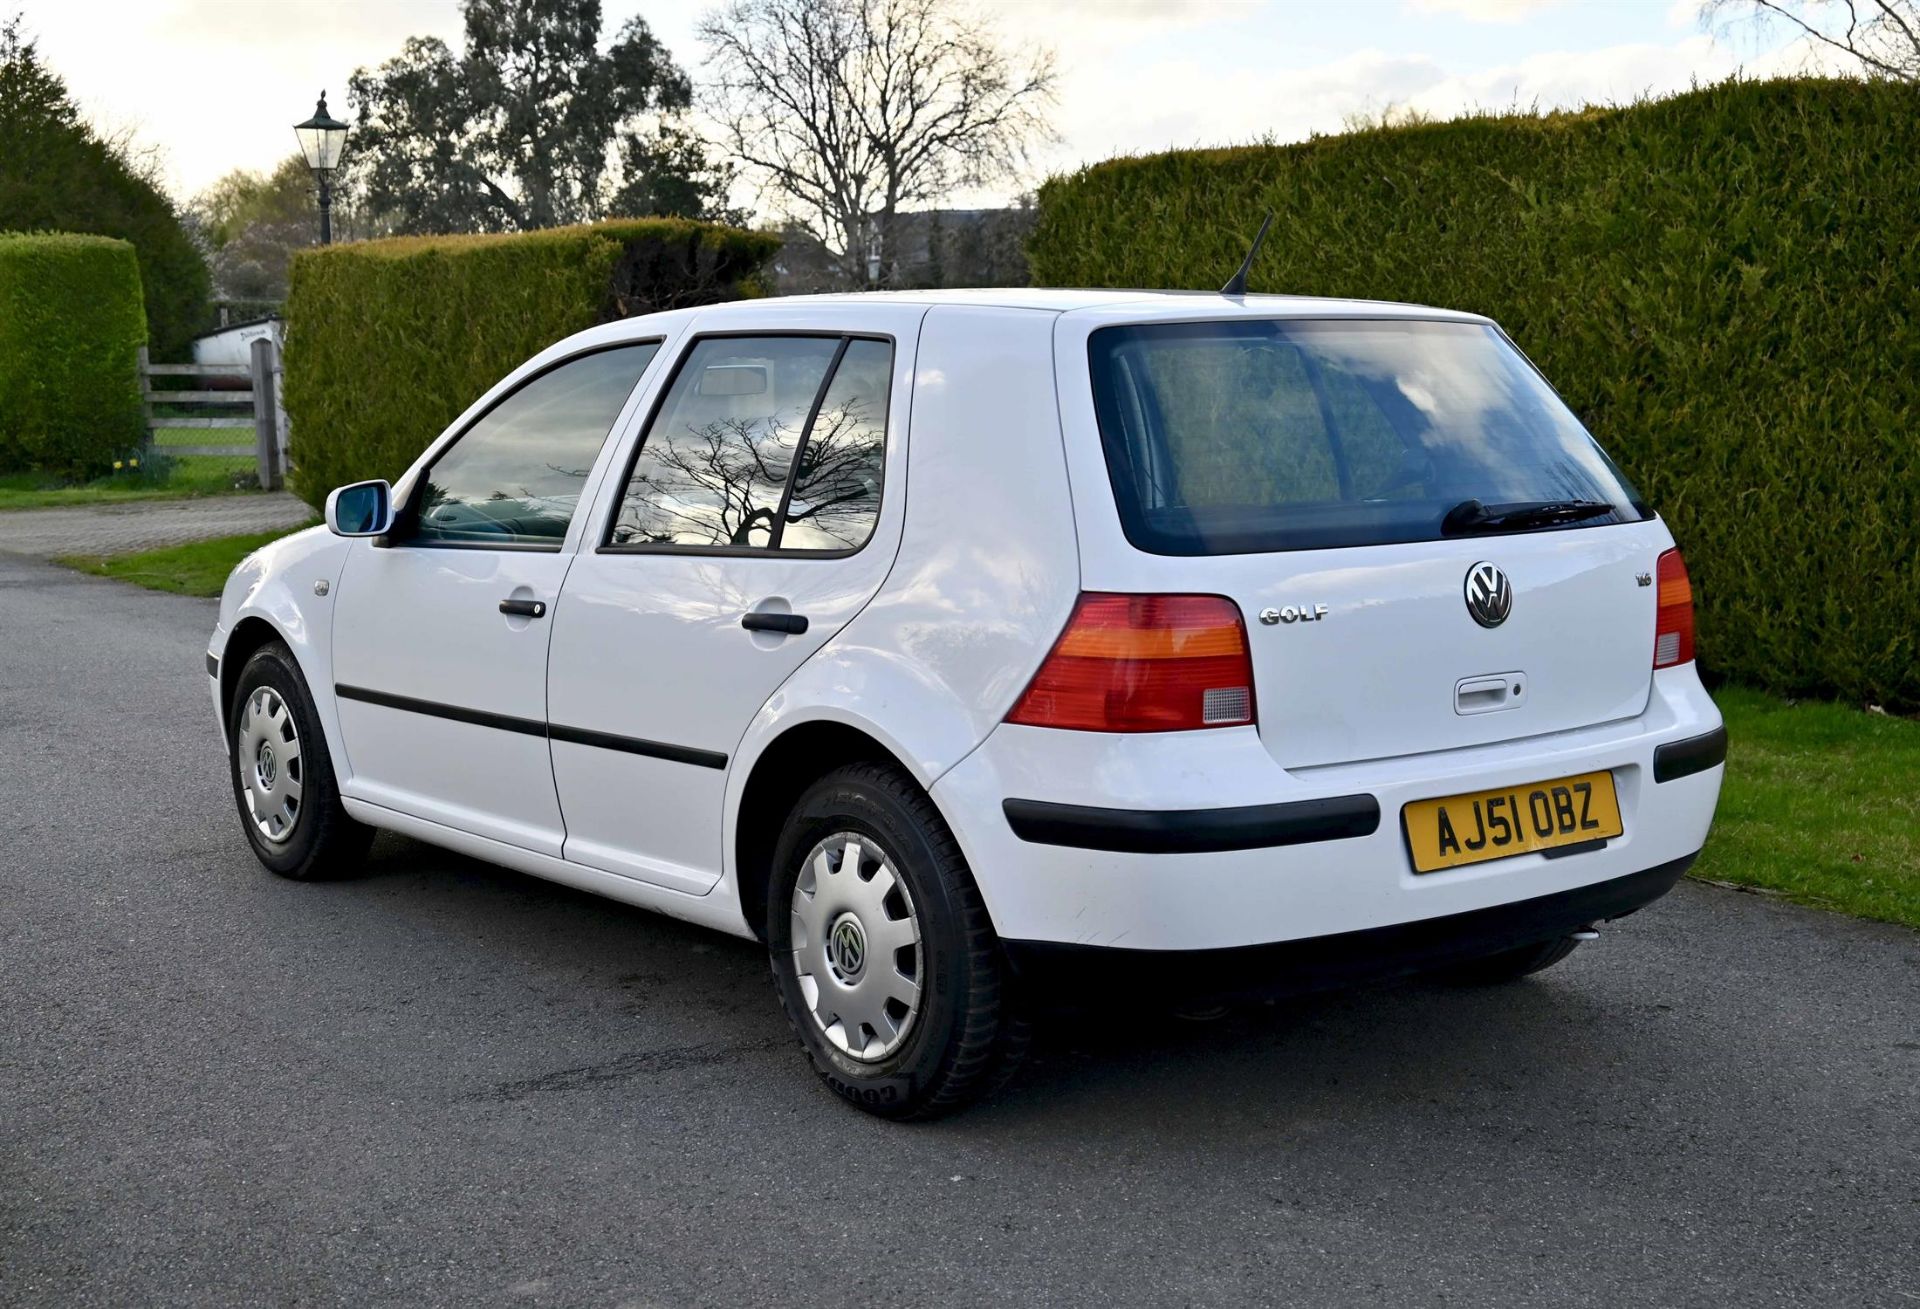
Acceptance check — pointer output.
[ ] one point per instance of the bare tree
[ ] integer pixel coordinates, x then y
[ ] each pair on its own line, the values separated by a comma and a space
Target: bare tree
723, 483
848, 111
1884, 35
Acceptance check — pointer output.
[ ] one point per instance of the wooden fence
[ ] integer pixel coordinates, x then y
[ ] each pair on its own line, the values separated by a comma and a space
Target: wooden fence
260, 398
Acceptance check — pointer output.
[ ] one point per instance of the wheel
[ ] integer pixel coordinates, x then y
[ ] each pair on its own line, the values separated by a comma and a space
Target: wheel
1511, 965
283, 779
884, 957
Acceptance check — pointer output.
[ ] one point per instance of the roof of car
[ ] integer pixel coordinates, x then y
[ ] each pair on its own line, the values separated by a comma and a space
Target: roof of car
1110, 305
1068, 299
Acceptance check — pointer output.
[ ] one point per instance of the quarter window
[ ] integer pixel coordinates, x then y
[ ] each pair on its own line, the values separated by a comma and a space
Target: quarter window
513, 478
764, 443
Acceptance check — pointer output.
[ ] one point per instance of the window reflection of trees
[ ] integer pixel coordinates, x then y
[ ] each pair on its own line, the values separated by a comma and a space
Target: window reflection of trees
720, 483
836, 492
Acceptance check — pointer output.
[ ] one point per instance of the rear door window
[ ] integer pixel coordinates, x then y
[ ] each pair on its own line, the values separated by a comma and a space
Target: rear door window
763, 443
1240, 436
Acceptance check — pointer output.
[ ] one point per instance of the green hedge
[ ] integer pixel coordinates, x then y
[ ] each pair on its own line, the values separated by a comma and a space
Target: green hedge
388, 341
1722, 284
57, 175
71, 328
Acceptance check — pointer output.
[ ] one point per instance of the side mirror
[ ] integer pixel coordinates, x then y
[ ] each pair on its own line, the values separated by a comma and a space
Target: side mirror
363, 509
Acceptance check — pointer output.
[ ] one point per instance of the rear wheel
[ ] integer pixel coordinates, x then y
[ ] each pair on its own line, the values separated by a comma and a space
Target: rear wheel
885, 960
1511, 965
282, 776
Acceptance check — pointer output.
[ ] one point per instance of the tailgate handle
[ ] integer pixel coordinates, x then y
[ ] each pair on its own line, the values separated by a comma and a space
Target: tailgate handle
1487, 694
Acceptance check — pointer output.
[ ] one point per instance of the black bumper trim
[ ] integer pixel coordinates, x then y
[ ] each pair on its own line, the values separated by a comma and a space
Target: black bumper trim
1193, 831
1058, 972
213, 665
1696, 754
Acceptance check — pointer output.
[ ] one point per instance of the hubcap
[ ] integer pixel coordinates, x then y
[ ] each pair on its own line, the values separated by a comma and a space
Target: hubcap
274, 781
847, 949
856, 946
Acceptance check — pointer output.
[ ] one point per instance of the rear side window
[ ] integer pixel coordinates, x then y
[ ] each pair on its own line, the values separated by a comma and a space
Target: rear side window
763, 443
513, 478
1243, 436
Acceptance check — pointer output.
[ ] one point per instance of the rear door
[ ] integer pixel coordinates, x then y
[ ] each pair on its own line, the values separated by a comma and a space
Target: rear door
440, 638
759, 513
1307, 470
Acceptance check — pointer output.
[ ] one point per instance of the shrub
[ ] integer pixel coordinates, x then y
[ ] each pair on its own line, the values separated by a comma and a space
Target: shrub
56, 175
71, 327
1722, 284
388, 341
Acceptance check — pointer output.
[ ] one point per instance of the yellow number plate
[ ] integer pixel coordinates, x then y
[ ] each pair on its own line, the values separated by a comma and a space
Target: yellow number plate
1470, 829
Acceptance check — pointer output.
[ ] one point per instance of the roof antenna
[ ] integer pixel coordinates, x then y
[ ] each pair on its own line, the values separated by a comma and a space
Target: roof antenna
1237, 284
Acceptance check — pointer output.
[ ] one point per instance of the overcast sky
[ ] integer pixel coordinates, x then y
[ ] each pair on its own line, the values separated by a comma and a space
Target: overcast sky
216, 84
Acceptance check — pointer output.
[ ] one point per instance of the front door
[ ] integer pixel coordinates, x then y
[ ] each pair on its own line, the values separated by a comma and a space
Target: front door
440, 637
750, 527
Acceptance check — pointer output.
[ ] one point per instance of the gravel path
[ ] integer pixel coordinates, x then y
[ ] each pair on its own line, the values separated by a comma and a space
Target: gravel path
146, 524
444, 1084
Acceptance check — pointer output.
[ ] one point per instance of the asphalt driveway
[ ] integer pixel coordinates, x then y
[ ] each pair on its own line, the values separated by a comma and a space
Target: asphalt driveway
116, 527
447, 1084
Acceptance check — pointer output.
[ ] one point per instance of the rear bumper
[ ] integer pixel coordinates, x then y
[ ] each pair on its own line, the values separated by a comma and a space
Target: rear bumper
1200, 841
1053, 972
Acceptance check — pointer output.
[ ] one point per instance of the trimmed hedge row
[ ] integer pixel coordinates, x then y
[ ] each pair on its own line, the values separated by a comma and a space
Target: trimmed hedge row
388, 341
56, 175
71, 327
1722, 284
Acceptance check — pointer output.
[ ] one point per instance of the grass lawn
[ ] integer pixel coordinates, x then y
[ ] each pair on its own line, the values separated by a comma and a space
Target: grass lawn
200, 568
1821, 802
182, 476
1821, 805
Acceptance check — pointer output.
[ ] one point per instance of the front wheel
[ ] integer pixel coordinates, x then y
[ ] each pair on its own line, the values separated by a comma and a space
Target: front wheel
884, 957
283, 777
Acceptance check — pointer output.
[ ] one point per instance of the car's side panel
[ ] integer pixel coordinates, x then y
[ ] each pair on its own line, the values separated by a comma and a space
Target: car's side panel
441, 695
424, 651
648, 648
986, 572
712, 911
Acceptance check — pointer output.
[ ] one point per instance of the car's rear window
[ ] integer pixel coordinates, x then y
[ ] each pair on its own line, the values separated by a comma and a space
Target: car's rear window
1248, 435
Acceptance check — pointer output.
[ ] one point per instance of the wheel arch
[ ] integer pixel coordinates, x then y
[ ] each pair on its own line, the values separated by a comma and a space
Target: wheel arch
790, 762
257, 625
247, 636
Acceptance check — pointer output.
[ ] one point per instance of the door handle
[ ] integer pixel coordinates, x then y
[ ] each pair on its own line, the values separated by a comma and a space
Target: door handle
758, 621
524, 608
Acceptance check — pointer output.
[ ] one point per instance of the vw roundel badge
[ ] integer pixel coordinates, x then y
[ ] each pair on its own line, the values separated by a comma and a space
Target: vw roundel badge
1489, 594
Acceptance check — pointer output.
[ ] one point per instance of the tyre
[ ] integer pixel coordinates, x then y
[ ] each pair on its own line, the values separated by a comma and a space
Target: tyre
884, 957
1511, 965
283, 778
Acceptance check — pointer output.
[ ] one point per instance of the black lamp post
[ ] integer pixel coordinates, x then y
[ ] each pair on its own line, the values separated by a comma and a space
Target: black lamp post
322, 138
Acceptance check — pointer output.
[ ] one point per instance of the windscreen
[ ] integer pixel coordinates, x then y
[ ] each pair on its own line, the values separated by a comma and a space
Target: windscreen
1248, 435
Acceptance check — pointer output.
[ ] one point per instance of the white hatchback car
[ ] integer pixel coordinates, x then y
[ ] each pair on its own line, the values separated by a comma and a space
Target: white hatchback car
977, 648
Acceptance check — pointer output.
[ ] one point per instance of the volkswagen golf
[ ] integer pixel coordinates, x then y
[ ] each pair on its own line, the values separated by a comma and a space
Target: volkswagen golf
983, 651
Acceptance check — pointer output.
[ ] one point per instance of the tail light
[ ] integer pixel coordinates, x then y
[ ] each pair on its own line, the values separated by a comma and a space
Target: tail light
1673, 620
1144, 663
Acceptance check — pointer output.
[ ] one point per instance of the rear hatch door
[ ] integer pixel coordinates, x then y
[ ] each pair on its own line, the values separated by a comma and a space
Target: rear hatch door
1428, 548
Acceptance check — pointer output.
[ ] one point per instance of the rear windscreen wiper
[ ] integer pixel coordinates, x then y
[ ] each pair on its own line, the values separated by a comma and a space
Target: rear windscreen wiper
1470, 516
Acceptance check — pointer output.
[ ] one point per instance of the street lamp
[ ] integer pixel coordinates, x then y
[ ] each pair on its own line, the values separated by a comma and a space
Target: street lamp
322, 138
